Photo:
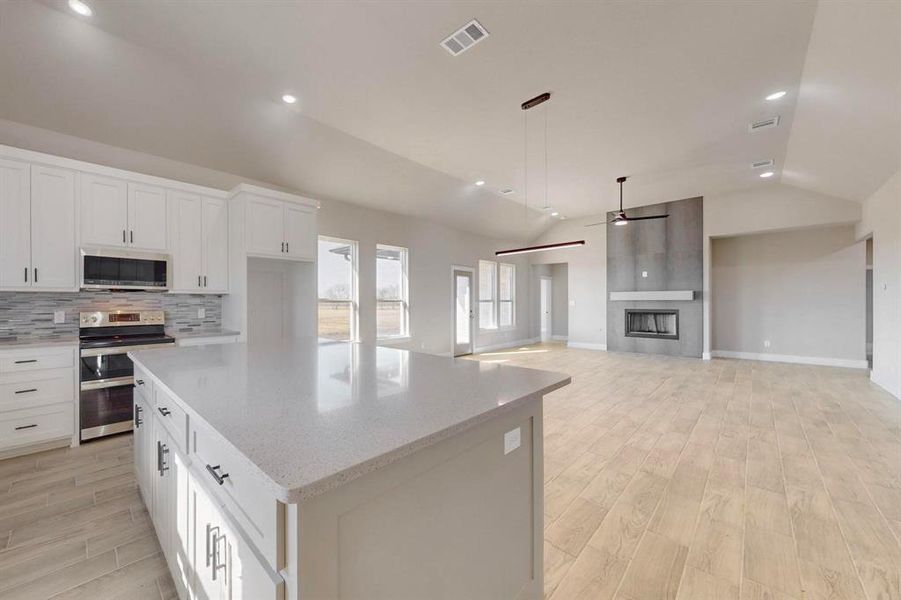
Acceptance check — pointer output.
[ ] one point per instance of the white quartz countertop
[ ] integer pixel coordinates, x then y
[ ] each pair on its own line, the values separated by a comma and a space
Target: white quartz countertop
311, 414
203, 334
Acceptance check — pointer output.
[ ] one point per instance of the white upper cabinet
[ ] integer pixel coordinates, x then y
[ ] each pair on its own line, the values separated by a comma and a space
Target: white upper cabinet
300, 231
199, 233
280, 229
215, 245
187, 250
115, 212
37, 227
264, 226
147, 217
104, 211
53, 228
15, 224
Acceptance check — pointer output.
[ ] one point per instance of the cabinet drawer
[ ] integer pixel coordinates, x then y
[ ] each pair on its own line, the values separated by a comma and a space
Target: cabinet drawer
241, 491
173, 417
21, 427
34, 361
143, 385
30, 390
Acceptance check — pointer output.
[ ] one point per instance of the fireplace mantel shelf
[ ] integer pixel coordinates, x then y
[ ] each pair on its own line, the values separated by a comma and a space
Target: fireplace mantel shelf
658, 295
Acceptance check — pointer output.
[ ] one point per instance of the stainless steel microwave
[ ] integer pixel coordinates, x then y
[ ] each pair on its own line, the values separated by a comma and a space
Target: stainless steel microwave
117, 269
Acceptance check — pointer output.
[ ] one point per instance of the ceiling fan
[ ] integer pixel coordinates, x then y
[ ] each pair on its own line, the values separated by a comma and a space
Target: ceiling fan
621, 218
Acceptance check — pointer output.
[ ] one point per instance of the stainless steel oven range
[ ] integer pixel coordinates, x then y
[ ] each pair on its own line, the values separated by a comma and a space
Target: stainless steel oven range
107, 375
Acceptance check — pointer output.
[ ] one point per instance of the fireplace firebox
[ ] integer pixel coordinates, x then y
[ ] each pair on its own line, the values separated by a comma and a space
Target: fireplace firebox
661, 324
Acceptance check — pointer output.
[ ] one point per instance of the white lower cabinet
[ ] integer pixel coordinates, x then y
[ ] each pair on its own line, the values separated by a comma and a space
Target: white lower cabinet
208, 554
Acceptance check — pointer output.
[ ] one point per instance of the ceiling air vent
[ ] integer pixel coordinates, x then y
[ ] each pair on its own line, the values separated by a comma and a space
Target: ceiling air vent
465, 38
507, 191
760, 164
765, 124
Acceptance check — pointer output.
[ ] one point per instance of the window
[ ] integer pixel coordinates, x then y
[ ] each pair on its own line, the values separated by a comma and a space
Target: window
506, 295
497, 295
487, 297
392, 292
337, 289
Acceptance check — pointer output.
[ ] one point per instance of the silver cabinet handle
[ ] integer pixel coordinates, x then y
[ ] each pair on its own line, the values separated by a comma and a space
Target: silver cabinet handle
26, 274
131, 236
139, 381
204, 281
28, 391
138, 420
21, 427
161, 451
216, 566
214, 531
164, 411
198, 280
123, 236
35, 274
220, 479
22, 362
283, 246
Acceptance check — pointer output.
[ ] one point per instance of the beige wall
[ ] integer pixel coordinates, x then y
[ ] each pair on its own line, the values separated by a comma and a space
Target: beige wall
586, 278
803, 291
882, 220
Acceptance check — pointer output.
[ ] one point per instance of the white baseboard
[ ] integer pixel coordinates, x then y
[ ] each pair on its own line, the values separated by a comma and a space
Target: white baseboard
559, 338
705, 356
875, 378
587, 346
506, 345
787, 358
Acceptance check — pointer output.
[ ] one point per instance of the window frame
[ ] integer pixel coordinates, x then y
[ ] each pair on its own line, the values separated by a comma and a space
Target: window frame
354, 301
404, 299
495, 300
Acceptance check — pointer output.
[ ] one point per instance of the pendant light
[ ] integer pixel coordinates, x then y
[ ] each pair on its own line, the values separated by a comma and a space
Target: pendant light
532, 103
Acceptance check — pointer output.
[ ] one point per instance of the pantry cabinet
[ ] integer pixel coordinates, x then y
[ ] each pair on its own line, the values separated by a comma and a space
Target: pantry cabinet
199, 228
115, 212
37, 227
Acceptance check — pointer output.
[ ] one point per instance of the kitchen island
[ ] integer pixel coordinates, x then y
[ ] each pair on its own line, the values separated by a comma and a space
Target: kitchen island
322, 469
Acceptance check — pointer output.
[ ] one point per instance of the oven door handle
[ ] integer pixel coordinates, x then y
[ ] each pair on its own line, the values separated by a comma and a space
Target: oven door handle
107, 383
86, 352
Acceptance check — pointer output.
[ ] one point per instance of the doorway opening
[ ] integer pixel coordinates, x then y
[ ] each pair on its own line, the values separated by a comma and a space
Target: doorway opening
869, 243
551, 301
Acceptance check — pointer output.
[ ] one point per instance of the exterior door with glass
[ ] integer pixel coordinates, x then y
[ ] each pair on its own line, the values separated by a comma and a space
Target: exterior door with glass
463, 312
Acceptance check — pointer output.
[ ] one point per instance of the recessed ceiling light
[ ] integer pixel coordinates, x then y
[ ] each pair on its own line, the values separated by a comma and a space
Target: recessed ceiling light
480, 182
81, 8
287, 98
776, 95
767, 174
554, 214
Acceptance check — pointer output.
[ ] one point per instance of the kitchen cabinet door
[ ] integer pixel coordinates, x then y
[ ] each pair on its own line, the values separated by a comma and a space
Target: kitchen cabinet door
104, 211
53, 228
215, 245
300, 231
264, 227
15, 224
180, 533
206, 533
187, 248
147, 217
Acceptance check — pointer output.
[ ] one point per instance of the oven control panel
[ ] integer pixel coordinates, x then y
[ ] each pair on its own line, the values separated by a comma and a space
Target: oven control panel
121, 318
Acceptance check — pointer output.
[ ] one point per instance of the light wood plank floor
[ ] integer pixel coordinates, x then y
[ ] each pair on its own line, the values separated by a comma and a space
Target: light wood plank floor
665, 478
675, 478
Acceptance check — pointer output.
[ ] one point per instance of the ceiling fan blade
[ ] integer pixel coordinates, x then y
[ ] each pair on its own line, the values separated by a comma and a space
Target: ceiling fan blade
646, 218
601, 223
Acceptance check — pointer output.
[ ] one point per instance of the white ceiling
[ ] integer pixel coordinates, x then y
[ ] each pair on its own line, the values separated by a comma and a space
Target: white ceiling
659, 91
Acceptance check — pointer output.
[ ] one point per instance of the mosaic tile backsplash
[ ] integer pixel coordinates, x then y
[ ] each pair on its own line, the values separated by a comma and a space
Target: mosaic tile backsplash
26, 316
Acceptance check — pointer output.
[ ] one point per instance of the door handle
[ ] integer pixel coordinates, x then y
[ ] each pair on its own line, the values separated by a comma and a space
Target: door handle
164, 411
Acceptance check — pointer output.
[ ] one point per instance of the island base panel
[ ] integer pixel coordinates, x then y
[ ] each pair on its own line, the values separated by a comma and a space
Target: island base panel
458, 519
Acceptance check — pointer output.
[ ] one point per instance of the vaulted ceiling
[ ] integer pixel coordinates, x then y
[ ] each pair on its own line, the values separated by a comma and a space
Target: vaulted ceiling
386, 118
